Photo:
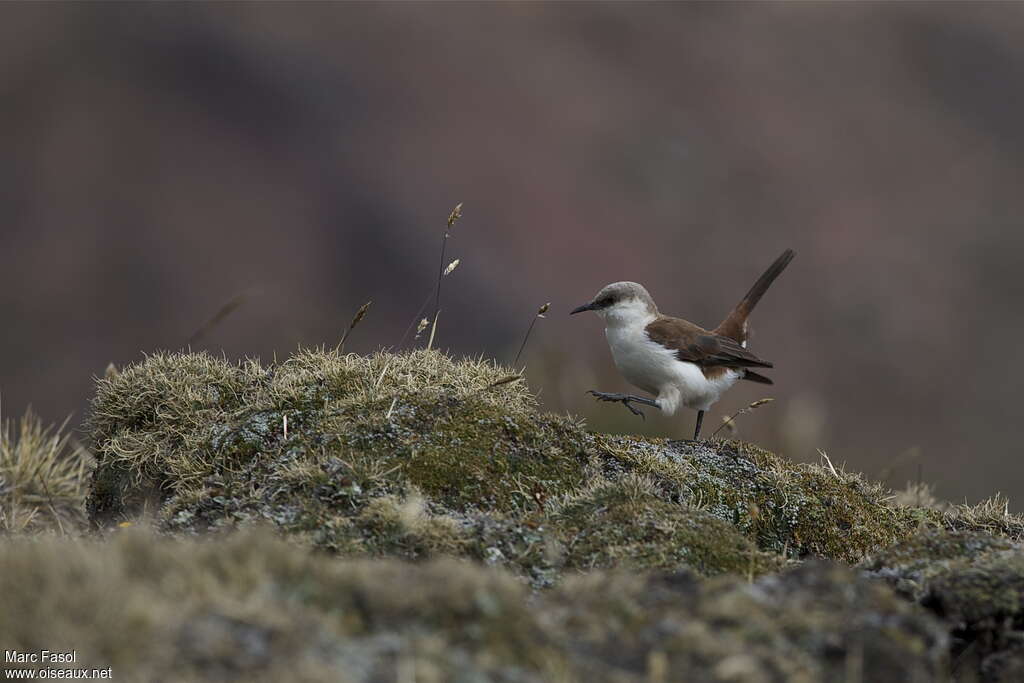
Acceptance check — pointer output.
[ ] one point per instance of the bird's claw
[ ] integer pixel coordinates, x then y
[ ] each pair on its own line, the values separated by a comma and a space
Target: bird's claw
618, 398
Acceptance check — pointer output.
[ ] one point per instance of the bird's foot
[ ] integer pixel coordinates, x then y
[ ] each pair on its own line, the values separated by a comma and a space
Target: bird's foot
624, 399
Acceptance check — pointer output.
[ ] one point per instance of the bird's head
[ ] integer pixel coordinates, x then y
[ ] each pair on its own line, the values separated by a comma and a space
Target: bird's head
621, 303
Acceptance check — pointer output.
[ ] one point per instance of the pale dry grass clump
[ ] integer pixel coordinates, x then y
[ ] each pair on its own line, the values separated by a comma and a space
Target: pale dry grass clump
187, 394
42, 478
155, 417
919, 494
386, 374
991, 515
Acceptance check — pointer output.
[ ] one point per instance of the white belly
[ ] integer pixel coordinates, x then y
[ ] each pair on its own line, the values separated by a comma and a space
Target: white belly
657, 370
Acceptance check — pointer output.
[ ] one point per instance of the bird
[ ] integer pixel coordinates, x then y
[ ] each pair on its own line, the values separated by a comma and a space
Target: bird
680, 363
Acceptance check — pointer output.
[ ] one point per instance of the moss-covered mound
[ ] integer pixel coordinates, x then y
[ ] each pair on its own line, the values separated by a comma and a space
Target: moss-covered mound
252, 607
974, 581
418, 455
660, 560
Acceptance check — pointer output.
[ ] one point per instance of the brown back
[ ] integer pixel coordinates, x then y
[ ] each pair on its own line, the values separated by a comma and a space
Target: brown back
694, 344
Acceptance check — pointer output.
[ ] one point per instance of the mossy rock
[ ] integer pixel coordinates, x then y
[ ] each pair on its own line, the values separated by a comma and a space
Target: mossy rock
790, 508
975, 582
418, 455
623, 523
252, 606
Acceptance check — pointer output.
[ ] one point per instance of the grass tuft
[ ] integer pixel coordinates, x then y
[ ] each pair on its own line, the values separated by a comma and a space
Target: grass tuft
42, 478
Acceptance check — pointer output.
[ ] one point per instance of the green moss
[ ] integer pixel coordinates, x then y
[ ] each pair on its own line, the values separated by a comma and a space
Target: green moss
327, 447
987, 591
914, 563
970, 577
623, 523
793, 509
974, 581
467, 453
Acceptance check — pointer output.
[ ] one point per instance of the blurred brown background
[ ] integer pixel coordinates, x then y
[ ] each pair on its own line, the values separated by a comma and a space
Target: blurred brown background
158, 160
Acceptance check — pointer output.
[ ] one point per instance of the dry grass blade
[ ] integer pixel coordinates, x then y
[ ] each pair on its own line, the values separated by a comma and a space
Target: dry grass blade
732, 418
540, 314
383, 372
227, 309
507, 379
828, 461
391, 410
356, 319
433, 330
419, 312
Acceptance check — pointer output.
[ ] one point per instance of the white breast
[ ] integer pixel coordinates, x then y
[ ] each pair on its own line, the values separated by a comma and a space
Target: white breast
657, 370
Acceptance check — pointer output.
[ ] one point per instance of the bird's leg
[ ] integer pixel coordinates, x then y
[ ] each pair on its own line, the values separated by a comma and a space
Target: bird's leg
700, 419
625, 399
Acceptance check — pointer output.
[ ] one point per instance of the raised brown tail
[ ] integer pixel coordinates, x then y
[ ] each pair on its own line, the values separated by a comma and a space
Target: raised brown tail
735, 324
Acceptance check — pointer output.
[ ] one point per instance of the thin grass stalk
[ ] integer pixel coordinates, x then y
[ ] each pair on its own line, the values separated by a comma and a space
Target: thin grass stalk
435, 293
454, 216
732, 418
423, 307
223, 312
540, 314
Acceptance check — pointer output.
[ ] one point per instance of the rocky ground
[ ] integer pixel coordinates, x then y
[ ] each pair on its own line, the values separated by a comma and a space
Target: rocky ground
413, 517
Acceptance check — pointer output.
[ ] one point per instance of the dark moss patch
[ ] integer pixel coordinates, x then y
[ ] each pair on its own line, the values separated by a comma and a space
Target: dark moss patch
972, 580
467, 453
791, 509
913, 563
623, 523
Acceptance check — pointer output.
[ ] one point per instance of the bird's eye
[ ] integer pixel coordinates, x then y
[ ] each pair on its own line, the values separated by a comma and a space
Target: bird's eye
606, 301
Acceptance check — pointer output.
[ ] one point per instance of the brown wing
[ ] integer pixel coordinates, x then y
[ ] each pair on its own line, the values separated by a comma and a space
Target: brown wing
694, 344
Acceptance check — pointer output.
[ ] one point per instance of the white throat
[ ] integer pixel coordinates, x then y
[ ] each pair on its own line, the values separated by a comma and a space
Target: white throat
628, 314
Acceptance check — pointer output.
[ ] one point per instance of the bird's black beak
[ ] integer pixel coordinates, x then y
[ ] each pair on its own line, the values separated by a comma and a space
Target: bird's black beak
585, 307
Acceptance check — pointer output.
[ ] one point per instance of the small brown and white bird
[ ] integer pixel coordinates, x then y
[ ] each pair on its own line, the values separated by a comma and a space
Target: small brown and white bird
677, 361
